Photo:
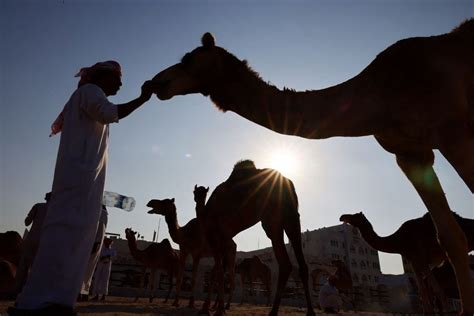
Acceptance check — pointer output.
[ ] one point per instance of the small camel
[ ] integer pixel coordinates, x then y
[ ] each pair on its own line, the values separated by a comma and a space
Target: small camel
416, 241
191, 240
414, 97
156, 256
249, 196
251, 270
11, 247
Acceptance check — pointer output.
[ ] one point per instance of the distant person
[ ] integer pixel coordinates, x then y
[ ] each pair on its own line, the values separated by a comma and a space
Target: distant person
100, 287
329, 298
95, 253
34, 218
74, 209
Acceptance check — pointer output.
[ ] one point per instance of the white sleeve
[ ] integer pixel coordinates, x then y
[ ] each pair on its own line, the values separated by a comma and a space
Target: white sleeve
95, 103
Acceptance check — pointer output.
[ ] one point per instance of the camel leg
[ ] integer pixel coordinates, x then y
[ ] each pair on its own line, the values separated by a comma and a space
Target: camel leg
193, 280
438, 292
418, 168
268, 288
284, 268
179, 280
242, 280
231, 271
142, 282
170, 275
460, 155
151, 285
206, 306
293, 231
220, 282
426, 299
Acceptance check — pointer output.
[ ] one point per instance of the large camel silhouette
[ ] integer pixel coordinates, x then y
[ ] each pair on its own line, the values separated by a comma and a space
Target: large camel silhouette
249, 196
416, 241
156, 256
416, 96
192, 240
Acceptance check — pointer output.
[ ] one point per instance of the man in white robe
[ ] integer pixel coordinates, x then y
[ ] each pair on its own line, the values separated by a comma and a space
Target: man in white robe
329, 298
34, 218
95, 254
100, 286
74, 209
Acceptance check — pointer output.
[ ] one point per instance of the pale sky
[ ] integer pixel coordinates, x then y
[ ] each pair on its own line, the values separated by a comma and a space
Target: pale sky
166, 147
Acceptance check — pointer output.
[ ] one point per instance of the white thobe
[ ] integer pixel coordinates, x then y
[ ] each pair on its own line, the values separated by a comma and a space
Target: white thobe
329, 297
94, 257
75, 205
30, 244
100, 285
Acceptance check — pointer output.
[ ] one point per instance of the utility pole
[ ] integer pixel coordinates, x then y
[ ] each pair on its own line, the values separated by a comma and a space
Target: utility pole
158, 231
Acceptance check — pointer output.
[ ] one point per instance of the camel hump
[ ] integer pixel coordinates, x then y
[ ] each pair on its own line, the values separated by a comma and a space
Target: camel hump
242, 169
166, 243
466, 28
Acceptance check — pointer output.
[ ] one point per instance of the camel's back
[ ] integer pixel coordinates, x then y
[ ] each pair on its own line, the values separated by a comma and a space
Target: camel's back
250, 196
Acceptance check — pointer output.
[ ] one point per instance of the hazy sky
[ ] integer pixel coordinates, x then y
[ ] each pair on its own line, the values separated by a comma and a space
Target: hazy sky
165, 148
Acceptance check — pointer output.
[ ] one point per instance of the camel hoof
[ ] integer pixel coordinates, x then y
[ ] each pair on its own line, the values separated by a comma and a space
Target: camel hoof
227, 306
310, 312
135, 300
150, 299
176, 304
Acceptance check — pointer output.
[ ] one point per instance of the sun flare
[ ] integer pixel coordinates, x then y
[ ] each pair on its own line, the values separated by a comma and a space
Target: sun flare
285, 161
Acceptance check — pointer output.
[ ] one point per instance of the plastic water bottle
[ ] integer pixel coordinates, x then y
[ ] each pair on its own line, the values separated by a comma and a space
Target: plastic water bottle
123, 202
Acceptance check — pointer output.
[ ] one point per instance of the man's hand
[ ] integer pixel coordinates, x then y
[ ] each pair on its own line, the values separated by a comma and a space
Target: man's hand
148, 88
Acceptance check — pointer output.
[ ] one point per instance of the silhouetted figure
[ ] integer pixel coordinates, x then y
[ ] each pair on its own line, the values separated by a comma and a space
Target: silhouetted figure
73, 213
95, 254
34, 218
100, 287
329, 299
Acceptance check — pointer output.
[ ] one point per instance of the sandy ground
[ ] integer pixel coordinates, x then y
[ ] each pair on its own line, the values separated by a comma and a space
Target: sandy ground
124, 306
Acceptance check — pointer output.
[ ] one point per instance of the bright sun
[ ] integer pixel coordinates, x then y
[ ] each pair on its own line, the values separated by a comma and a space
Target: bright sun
284, 161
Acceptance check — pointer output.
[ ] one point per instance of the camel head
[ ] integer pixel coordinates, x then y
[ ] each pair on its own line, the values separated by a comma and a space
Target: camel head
200, 193
130, 234
162, 207
357, 220
193, 73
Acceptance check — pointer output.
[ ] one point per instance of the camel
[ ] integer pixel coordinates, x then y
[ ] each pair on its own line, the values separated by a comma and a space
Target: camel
11, 247
252, 270
249, 196
155, 256
414, 97
416, 241
191, 240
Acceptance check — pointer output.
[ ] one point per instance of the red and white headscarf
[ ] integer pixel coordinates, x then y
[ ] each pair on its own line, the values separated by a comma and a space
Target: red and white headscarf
86, 74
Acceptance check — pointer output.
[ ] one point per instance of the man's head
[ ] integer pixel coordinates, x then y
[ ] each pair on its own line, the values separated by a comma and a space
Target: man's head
107, 75
108, 242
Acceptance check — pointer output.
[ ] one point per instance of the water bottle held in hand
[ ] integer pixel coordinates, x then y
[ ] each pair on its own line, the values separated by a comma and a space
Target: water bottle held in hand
120, 201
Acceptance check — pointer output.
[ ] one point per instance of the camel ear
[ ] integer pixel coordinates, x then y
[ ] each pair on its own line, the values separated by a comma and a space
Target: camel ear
195, 186
207, 189
208, 40
172, 200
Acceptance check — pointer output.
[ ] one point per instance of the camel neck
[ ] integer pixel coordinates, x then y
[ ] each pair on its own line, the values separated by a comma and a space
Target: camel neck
334, 111
384, 244
200, 206
173, 227
136, 254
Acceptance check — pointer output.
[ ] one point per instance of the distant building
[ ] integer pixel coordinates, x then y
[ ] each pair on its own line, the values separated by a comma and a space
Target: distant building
343, 242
